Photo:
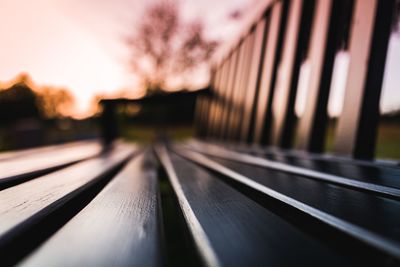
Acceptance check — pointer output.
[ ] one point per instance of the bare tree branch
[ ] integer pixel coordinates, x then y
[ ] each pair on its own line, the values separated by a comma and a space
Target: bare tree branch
164, 46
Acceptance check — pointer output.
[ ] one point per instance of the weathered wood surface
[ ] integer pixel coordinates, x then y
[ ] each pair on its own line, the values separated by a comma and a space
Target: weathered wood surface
240, 209
364, 216
20, 166
232, 230
27, 204
34, 151
120, 227
386, 175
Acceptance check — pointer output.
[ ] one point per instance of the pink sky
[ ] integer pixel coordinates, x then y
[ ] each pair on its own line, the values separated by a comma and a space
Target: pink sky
77, 44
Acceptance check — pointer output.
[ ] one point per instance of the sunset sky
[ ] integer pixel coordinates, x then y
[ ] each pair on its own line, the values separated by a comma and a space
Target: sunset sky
78, 44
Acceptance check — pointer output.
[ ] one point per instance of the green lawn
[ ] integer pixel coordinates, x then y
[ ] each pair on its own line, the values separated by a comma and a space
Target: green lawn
388, 142
147, 134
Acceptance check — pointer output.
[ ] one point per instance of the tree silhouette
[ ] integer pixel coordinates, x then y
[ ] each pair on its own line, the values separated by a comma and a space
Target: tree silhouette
165, 46
55, 103
19, 101
24, 100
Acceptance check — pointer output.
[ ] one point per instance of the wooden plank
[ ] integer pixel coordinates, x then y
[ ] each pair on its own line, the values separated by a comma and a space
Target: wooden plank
371, 173
120, 227
229, 229
202, 107
28, 204
269, 73
216, 104
364, 217
301, 13
27, 166
233, 115
381, 173
222, 96
205, 116
252, 81
199, 116
386, 187
243, 85
211, 103
34, 151
227, 108
357, 125
260, 150
202, 117
312, 123
254, 108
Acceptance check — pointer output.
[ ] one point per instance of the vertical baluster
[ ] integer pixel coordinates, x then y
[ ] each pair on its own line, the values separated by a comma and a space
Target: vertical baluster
229, 95
296, 42
357, 126
270, 63
312, 124
235, 94
252, 81
215, 103
222, 96
243, 84
211, 103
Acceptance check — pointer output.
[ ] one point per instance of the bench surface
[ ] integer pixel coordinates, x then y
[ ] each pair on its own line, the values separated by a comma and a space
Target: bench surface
236, 206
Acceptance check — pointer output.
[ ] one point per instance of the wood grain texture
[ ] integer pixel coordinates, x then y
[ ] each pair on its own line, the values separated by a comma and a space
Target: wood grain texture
36, 162
370, 219
368, 172
36, 198
382, 175
9, 155
239, 231
118, 228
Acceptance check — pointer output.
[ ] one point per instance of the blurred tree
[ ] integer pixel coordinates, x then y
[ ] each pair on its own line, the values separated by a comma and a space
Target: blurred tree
165, 46
18, 102
25, 100
55, 103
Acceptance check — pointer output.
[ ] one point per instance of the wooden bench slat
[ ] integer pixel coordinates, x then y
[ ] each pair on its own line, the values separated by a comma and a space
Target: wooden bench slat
374, 178
118, 228
232, 230
285, 167
383, 175
11, 155
40, 162
370, 219
35, 199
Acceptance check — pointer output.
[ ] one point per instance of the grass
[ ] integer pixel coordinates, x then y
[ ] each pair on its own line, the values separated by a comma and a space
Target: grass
388, 140
146, 134
388, 143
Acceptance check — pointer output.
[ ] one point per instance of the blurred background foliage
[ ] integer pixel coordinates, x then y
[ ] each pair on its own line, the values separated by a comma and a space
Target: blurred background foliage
167, 53
32, 115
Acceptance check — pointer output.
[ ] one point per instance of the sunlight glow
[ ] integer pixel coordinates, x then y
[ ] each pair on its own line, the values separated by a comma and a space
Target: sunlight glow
338, 84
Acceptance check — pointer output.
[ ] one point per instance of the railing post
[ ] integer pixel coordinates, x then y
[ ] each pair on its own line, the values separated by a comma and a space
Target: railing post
252, 87
296, 43
312, 124
234, 101
357, 126
270, 63
109, 125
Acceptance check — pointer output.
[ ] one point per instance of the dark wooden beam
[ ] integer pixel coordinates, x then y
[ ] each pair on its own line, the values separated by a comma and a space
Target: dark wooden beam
357, 126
